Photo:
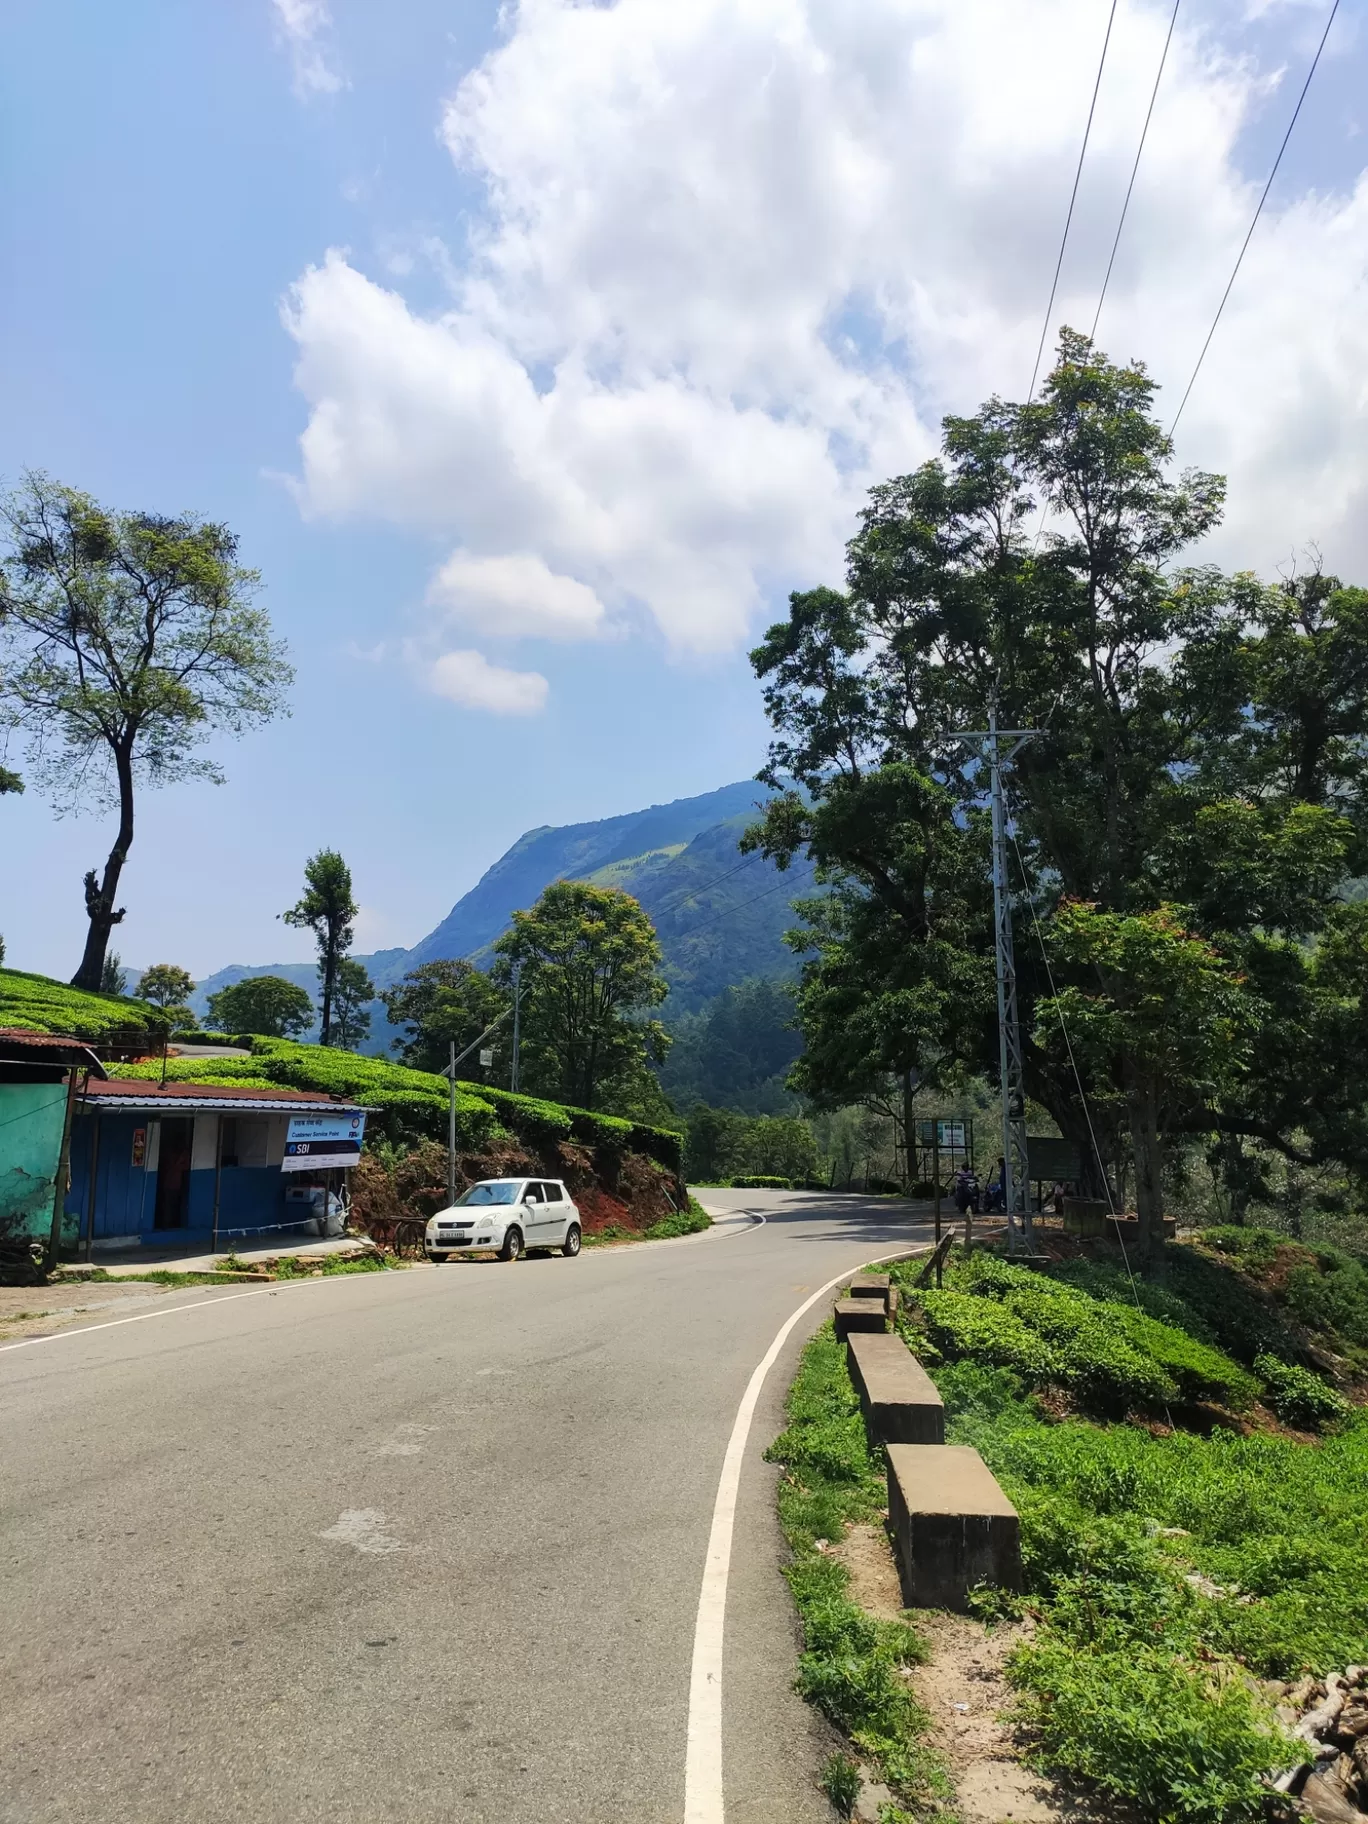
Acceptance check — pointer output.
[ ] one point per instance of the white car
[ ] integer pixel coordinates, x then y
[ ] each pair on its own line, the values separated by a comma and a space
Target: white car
510, 1215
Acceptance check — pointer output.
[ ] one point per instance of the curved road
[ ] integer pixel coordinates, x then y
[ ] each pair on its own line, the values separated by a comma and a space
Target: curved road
415, 1546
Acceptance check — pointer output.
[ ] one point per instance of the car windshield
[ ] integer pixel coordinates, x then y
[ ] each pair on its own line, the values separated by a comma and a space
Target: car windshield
501, 1190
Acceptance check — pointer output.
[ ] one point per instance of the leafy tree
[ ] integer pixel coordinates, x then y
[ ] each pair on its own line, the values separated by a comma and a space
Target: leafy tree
9, 782
1202, 741
166, 985
590, 964
113, 978
736, 1051
328, 910
263, 1004
352, 992
126, 641
1159, 1015
444, 1003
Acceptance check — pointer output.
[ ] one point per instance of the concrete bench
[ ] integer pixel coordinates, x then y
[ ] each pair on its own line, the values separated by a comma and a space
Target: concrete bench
854, 1314
897, 1396
953, 1525
870, 1285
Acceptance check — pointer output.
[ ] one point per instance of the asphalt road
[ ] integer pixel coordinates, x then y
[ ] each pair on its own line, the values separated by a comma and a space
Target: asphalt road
414, 1546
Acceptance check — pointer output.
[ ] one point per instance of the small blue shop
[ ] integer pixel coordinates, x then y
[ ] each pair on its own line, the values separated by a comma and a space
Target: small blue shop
185, 1167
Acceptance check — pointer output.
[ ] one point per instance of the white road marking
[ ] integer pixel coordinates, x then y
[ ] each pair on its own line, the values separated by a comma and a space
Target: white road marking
362, 1527
704, 1802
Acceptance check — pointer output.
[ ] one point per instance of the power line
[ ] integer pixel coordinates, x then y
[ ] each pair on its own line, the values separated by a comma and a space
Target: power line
728, 910
1257, 213
686, 893
1144, 133
1073, 198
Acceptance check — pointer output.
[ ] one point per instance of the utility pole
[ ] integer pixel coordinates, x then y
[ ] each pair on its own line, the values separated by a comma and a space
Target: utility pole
517, 1021
998, 747
451, 1128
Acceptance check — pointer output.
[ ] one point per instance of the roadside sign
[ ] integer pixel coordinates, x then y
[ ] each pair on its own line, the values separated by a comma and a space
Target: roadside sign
317, 1142
486, 1058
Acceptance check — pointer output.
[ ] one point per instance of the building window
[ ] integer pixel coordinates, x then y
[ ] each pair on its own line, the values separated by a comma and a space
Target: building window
244, 1140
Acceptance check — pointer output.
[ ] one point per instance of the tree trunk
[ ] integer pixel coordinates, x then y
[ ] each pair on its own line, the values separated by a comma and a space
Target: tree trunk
99, 898
329, 973
1149, 1168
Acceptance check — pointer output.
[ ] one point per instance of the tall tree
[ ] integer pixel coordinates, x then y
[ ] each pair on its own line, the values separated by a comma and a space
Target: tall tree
441, 1004
113, 976
1201, 740
166, 985
328, 910
352, 992
264, 1004
127, 640
590, 965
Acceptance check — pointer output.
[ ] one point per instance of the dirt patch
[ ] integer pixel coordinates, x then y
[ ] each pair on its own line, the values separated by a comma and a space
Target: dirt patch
39, 1310
964, 1690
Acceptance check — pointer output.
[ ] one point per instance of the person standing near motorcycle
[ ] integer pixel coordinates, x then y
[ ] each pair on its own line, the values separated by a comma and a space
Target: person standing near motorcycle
966, 1189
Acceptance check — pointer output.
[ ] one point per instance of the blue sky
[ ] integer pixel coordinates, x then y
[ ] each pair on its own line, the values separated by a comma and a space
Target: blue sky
534, 363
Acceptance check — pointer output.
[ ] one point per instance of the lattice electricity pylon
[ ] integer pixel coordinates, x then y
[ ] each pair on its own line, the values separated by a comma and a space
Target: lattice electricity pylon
998, 747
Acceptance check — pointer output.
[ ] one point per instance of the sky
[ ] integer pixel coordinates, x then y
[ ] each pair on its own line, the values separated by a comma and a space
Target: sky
535, 354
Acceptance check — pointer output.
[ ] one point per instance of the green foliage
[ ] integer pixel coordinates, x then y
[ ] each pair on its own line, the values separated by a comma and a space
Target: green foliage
328, 909
1298, 1397
113, 976
166, 985
1163, 1570
446, 1003
735, 1051
1106, 1353
128, 640
691, 1220
352, 989
37, 1004
1181, 1741
264, 1004
759, 1182
590, 963
841, 1782
852, 1666
1331, 1295
722, 1145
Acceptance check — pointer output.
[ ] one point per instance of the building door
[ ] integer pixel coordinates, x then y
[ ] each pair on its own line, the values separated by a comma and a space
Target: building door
173, 1171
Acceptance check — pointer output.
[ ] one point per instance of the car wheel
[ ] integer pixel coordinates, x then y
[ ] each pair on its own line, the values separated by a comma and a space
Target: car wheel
571, 1245
439, 1260
512, 1245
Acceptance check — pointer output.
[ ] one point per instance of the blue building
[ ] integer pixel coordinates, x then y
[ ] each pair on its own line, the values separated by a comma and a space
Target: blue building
190, 1166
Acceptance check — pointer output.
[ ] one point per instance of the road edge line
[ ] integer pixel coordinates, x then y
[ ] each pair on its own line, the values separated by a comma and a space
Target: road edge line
704, 1799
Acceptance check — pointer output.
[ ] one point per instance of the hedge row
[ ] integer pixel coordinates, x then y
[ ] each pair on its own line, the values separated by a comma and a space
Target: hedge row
35, 1003
413, 1103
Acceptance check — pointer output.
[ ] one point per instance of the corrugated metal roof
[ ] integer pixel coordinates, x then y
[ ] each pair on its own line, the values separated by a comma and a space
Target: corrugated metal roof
19, 1043
126, 1093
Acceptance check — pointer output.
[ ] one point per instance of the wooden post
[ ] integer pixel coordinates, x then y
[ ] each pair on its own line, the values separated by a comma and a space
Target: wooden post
63, 1167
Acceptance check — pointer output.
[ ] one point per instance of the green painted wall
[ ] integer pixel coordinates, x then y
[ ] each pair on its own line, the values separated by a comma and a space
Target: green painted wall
31, 1116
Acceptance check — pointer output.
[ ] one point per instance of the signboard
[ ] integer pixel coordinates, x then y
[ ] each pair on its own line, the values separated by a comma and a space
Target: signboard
1056, 1160
486, 1059
318, 1142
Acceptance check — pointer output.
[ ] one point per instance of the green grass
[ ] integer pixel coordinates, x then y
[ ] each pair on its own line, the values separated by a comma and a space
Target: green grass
852, 1666
1168, 1571
691, 1220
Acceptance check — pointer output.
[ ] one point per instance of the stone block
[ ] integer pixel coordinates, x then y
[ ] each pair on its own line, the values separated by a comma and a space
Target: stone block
870, 1285
897, 1396
952, 1524
854, 1314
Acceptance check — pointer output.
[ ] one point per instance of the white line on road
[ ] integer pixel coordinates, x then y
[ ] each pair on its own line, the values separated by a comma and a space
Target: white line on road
704, 1802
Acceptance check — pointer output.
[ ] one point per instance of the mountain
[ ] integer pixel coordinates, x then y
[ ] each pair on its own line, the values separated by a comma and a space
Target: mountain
578, 851
721, 915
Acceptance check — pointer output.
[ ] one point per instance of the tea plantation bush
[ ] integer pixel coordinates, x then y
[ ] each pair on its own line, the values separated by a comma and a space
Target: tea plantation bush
37, 1004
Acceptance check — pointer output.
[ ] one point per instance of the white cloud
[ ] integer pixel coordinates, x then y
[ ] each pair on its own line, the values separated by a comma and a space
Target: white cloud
516, 596
302, 25
740, 256
469, 679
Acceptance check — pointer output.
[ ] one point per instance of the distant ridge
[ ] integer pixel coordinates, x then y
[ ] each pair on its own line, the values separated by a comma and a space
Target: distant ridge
721, 915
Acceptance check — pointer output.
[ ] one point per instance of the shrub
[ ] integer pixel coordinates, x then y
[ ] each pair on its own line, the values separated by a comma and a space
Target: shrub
761, 1181
1178, 1740
1298, 1397
37, 1004
1331, 1295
